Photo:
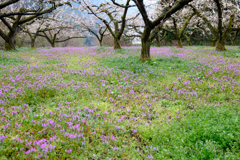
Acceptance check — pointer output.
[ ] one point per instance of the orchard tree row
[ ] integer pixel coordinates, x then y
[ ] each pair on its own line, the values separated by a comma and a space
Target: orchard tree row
61, 20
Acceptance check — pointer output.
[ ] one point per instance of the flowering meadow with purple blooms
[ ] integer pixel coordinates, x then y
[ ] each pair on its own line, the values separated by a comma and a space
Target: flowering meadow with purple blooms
98, 103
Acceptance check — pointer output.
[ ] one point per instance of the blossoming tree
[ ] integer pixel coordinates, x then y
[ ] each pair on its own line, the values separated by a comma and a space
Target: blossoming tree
60, 27
178, 23
17, 14
153, 25
90, 23
114, 17
219, 16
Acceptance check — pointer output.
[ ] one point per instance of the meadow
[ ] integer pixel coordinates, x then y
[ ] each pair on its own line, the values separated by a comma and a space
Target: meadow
97, 103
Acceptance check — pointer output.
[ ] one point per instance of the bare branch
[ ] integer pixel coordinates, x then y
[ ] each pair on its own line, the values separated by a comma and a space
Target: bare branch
9, 2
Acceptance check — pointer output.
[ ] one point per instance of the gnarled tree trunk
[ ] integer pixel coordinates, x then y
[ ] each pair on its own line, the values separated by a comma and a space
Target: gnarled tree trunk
9, 45
179, 43
213, 42
10, 39
220, 46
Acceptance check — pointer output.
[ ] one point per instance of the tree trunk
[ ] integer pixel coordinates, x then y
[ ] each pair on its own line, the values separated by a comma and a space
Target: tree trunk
100, 43
33, 43
158, 41
10, 42
146, 44
145, 52
53, 45
179, 43
9, 45
220, 45
213, 43
233, 43
189, 43
117, 43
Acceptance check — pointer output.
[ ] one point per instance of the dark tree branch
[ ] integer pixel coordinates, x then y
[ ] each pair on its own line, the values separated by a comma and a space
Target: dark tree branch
42, 12
9, 2
69, 39
121, 5
235, 29
7, 24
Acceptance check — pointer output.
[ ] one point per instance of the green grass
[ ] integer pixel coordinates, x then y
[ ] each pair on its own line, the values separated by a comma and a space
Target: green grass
11, 61
50, 62
153, 104
205, 133
172, 64
14, 59
232, 53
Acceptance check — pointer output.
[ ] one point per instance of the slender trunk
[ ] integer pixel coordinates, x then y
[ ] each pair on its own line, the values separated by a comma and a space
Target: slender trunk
220, 46
179, 43
9, 45
100, 43
189, 42
158, 41
33, 43
117, 43
234, 38
146, 44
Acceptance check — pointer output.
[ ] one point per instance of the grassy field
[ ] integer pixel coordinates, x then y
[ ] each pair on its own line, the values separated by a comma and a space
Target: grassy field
97, 103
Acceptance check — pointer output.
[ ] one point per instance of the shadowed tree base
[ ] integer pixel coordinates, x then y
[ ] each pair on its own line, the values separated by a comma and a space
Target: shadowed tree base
145, 52
143, 59
213, 43
33, 44
116, 44
179, 44
220, 46
159, 44
9, 46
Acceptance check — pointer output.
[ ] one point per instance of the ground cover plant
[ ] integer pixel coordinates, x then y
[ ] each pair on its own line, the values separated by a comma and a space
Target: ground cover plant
100, 103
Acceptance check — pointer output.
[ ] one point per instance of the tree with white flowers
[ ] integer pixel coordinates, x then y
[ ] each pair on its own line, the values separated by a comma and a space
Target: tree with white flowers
114, 17
15, 15
58, 27
98, 30
178, 23
152, 23
220, 18
90, 23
